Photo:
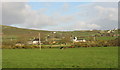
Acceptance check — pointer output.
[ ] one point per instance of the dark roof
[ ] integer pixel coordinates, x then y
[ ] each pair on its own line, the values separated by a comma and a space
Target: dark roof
18, 42
35, 39
80, 39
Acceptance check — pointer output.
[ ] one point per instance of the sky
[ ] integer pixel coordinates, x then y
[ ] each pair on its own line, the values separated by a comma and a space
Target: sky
61, 16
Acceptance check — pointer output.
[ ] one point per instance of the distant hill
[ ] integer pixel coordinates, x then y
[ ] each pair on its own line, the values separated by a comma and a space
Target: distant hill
9, 32
14, 34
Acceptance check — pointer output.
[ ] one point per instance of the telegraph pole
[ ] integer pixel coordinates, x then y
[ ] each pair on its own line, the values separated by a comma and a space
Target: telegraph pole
39, 42
94, 38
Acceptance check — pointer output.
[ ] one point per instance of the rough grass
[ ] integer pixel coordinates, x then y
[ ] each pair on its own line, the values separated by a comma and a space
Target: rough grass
0, 58
93, 57
107, 38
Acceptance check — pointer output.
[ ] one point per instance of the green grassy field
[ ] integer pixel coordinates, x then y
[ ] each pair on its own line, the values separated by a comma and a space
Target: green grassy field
93, 57
106, 38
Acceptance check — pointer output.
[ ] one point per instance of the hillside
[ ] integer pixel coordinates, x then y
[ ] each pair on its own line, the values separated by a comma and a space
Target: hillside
21, 32
9, 31
14, 34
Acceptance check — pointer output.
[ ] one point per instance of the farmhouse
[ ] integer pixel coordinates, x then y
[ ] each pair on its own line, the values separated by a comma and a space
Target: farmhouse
76, 39
110, 31
36, 41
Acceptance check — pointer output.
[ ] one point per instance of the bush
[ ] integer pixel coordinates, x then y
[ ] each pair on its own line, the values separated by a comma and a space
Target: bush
97, 43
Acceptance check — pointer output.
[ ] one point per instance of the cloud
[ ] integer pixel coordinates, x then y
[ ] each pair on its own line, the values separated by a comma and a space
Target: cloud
110, 13
108, 17
21, 15
104, 15
60, 1
66, 7
0, 14
88, 16
81, 25
13, 13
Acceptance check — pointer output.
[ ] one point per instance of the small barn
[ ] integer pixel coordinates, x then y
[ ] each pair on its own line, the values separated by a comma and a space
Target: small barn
77, 39
19, 44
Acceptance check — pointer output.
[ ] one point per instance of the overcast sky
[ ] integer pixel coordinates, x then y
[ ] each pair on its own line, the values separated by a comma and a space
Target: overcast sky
61, 16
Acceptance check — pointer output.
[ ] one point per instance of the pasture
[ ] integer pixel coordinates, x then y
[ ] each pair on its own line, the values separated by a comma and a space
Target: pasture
91, 57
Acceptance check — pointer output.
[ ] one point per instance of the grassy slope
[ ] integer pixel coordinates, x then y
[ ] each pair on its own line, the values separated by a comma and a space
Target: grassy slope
106, 38
20, 34
13, 31
96, 57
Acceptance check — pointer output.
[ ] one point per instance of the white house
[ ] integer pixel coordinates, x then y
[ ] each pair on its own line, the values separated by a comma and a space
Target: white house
75, 39
110, 31
35, 41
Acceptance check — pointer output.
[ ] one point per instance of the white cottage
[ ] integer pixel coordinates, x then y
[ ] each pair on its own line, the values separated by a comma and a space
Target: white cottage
75, 39
35, 41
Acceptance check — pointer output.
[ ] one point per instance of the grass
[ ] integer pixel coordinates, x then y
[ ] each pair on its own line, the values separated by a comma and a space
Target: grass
93, 57
107, 38
56, 45
0, 59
